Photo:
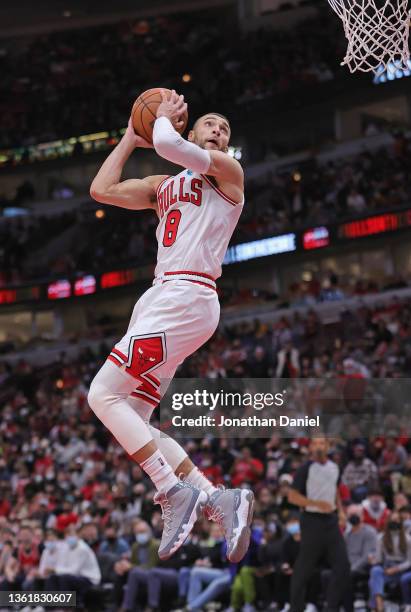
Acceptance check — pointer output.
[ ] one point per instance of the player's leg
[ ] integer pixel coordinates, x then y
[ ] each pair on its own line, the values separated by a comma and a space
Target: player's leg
182, 504
118, 379
107, 398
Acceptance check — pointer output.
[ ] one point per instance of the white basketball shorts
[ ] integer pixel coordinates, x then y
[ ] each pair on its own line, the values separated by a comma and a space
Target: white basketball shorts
169, 322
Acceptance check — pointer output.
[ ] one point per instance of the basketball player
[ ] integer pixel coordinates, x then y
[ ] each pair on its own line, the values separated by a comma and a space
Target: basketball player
198, 210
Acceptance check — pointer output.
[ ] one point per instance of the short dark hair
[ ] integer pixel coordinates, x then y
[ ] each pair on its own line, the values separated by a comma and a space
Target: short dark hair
211, 113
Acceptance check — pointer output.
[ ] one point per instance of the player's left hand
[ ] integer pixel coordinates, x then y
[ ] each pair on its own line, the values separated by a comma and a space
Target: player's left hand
173, 108
134, 139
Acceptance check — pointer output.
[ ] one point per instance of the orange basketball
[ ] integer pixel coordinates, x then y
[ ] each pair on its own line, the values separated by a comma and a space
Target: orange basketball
144, 112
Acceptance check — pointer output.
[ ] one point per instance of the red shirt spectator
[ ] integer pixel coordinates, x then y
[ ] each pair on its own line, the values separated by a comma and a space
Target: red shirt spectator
375, 511
28, 557
246, 469
4, 507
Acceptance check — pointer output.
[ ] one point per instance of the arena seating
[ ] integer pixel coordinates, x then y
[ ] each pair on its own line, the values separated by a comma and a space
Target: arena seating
317, 193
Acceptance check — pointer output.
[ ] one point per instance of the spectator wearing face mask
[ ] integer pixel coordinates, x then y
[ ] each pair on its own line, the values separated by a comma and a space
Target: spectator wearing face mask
77, 568
375, 511
360, 474
282, 504
392, 564
135, 571
48, 562
289, 553
361, 542
113, 543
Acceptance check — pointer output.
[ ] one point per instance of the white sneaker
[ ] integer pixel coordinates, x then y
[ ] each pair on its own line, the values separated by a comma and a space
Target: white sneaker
248, 608
233, 510
310, 608
286, 608
181, 506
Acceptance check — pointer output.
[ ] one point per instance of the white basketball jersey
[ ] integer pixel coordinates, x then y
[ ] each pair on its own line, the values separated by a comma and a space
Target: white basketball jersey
196, 223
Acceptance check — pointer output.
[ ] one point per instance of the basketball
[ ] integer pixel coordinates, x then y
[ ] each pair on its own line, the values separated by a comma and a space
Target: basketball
144, 112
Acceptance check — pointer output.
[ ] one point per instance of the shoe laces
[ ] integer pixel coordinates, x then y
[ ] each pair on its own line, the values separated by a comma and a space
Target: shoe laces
216, 514
167, 511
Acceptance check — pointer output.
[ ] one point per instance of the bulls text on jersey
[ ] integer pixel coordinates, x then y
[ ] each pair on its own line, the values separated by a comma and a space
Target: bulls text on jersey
184, 190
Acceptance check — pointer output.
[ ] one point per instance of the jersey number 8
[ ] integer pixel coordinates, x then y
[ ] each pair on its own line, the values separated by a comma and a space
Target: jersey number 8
171, 227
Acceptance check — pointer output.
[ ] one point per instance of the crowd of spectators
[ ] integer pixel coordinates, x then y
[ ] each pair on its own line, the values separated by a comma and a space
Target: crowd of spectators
323, 193
80, 81
77, 514
314, 194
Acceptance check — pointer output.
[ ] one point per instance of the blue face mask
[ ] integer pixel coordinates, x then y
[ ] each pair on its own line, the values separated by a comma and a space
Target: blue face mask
293, 528
142, 538
71, 541
50, 545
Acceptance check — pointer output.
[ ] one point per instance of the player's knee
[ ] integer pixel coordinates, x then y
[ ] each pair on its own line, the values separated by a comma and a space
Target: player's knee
97, 397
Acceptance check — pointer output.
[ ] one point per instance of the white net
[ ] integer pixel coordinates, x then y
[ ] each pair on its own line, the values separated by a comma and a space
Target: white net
377, 35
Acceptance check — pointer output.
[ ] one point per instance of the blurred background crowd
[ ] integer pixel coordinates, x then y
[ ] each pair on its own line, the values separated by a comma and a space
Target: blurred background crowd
78, 66
320, 148
64, 480
314, 194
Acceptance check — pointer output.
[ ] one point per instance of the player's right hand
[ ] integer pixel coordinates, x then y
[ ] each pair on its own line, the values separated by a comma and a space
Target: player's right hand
173, 108
324, 506
134, 139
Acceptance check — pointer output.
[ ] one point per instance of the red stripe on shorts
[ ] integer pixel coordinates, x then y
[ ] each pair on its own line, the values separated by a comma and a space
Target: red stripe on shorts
119, 353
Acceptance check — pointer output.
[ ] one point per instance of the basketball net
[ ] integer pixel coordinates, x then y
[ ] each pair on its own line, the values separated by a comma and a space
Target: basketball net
377, 37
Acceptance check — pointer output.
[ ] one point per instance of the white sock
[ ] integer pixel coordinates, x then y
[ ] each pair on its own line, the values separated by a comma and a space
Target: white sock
160, 472
197, 479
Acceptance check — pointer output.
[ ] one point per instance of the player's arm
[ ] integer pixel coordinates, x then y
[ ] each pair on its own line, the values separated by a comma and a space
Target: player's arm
169, 144
107, 186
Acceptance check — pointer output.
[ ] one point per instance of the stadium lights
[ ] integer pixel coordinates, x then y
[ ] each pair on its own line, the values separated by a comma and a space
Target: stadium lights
260, 248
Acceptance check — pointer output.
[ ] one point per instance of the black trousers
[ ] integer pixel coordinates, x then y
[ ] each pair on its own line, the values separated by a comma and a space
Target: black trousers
321, 539
67, 582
